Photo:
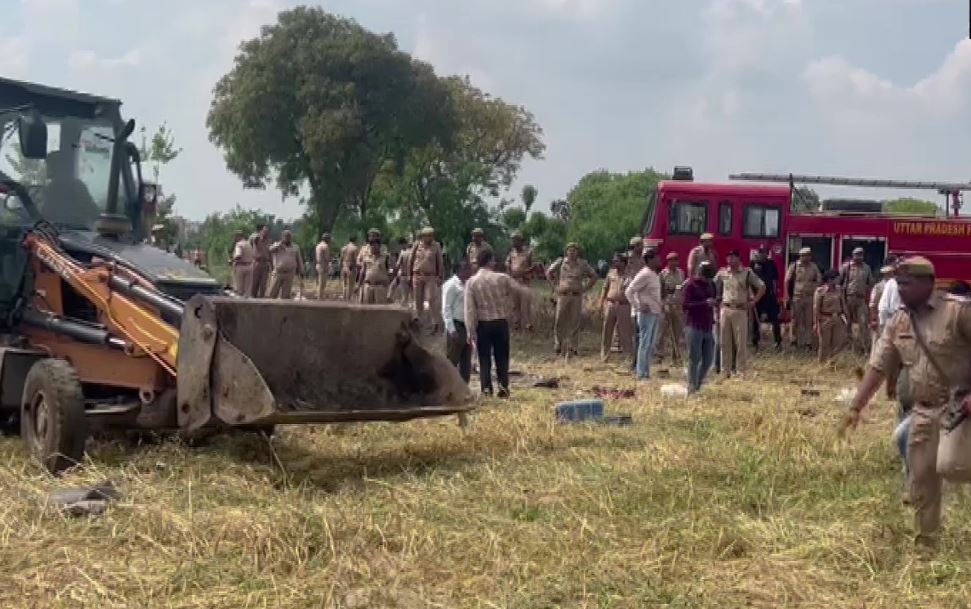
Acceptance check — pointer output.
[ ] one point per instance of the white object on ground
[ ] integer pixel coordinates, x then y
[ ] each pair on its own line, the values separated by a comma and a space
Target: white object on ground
845, 395
674, 390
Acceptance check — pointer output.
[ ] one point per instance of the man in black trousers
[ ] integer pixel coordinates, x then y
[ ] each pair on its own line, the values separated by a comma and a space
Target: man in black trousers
490, 299
768, 307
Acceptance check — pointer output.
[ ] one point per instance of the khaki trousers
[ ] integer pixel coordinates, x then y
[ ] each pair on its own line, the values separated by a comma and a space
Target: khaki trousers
243, 279
321, 282
832, 337
524, 304
672, 331
427, 288
734, 339
281, 285
348, 283
261, 272
405, 291
802, 321
858, 314
925, 483
566, 324
374, 294
617, 316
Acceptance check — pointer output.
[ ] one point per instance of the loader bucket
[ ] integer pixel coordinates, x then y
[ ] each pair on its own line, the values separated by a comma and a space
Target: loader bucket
262, 362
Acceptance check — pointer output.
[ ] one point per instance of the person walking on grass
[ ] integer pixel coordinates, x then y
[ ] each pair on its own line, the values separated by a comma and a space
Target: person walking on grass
616, 310
644, 295
699, 312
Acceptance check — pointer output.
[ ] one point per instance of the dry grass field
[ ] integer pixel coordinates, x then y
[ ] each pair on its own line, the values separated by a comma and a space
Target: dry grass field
739, 497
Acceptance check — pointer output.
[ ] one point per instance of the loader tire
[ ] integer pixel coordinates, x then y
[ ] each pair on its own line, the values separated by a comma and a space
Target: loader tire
52, 420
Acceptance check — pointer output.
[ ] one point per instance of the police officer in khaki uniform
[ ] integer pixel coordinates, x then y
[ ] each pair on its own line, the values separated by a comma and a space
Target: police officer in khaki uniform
402, 272
348, 262
375, 273
802, 279
829, 316
942, 324
322, 264
287, 262
857, 280
738, 288
672, 324
519, 264
427, 275
478, 245
262, 260
704, 252
242, 262
616, 309
566, 276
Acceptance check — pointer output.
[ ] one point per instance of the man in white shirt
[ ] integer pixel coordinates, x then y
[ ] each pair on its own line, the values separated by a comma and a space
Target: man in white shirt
457, 346
644, 295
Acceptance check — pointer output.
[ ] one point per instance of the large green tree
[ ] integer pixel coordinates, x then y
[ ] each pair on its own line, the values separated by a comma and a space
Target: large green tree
319, 105
605, 210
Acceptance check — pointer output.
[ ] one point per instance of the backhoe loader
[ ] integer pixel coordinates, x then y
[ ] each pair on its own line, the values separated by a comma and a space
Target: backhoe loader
100, 330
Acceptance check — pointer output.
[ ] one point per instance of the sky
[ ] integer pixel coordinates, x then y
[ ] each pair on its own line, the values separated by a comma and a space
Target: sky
875, 88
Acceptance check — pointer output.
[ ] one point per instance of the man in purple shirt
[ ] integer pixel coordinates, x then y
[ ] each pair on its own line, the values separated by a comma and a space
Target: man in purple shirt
699, 303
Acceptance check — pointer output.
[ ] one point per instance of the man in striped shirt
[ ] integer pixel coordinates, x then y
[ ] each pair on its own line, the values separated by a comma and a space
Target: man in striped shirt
489, 301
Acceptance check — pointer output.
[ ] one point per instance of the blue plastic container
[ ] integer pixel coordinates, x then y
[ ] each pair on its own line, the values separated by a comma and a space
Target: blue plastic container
579, 410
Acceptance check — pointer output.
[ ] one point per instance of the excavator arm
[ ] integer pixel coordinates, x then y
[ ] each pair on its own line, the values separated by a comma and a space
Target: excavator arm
137, 324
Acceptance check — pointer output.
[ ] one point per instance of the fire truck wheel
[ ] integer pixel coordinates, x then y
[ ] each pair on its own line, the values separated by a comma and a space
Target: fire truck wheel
52, 420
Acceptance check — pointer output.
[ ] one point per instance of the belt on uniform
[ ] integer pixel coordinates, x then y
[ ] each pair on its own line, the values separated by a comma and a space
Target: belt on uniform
241, 263
425, 275
620, 301
828, 314
730, 305
571, 293
377, 284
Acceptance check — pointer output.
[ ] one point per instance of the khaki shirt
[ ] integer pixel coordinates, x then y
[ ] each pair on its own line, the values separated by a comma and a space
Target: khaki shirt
243, 253
404, 262
805, 278
737, 286
828, 302
322, 256
286, 258
520, 262
473, 251
375, 266
698, 255
349, 255
857, 279
671, 282
427, 260
946, 330
614, 286
261, 248
634, 265
569, 275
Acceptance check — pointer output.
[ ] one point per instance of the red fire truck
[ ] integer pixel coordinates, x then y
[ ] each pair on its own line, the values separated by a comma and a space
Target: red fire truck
747, 216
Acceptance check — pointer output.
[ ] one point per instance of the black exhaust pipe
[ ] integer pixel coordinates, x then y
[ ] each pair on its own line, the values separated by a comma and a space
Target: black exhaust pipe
77, 330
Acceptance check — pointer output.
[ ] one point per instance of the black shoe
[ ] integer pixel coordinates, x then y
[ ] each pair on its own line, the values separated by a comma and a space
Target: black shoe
487, 393
503, 393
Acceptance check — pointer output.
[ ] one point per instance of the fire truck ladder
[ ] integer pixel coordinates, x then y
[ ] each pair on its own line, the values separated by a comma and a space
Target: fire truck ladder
953, 190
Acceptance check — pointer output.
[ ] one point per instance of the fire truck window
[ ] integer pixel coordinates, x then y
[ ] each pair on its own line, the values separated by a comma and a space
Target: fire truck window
761, 221
688, 218
725, 218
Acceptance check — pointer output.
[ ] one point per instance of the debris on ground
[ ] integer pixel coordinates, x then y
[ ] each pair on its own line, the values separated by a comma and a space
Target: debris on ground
547, 383
85, 500
810, 391
808, 412
613, 393
618, 420
579, 410
674, 390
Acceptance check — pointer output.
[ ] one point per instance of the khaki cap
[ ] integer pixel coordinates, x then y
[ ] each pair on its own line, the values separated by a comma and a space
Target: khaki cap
707, 237
427, 232
572, 244
518, 234
916, 266
858, 250
672, 256
374, 231
804, 251
478, 231
635, 241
